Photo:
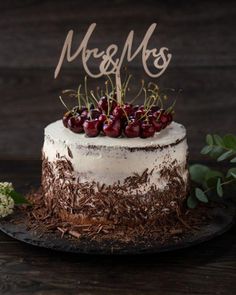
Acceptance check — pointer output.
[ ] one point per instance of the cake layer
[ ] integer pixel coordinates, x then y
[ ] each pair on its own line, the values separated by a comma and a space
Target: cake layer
117, 180
111, 160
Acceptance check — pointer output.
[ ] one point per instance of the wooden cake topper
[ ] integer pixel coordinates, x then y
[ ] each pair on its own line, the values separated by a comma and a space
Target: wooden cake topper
109, 62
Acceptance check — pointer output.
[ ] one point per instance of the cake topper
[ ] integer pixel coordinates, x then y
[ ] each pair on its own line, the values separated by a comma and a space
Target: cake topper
109, 61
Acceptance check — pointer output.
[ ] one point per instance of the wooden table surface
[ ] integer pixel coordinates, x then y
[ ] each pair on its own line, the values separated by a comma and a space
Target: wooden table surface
209, 268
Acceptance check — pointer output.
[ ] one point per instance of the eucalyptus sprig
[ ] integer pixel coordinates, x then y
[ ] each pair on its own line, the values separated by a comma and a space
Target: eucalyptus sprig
212, 184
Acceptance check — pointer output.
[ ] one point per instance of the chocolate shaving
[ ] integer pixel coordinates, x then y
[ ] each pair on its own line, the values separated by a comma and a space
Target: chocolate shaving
163, 230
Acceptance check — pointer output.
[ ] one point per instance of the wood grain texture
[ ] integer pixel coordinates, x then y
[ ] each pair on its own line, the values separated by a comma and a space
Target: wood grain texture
199, 34
29, 100
207, 269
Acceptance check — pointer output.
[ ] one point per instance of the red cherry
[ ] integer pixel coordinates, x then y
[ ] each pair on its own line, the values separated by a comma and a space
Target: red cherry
139, 114
66, 117
75, 124
91, 127
134, 109
112, 127
84, 113
164, 119
78, 110
118, 112
158, 113
147, 130
95, 113
154, 109
128, 109
102, 118
170, 118
103, 104
132, 129
155, 122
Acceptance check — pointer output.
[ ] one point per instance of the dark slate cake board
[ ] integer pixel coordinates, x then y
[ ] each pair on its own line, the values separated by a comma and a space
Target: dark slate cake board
14, 226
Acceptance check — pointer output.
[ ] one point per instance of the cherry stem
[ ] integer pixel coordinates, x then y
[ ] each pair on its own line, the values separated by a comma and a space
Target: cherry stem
126, 115
139, 92
62, 101
125, 87
78, 93
112, 85
86, 95
93, 96
108, 98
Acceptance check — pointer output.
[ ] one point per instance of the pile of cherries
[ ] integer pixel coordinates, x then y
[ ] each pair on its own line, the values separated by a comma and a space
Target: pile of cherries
126, 119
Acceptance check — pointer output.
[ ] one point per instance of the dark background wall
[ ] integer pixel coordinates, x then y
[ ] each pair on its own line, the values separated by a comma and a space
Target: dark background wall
200, 35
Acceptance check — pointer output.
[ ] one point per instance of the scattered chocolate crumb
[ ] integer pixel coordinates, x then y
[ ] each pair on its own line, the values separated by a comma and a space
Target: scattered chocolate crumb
42, 220
69, 153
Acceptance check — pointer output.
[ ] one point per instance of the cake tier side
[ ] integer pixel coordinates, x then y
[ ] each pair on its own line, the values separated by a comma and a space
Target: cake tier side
117, 184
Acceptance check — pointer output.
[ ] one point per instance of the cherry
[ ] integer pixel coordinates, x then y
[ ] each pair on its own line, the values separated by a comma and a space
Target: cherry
78, 110
132, 129
102, 118
95, 113
118, 112
164, 119
156, 123
112, 127
170, 118
84, 113
128, 109
139, 114
103, 104
158, 113
154, 109
91, 127
66, 117
147, 130
75, 123
134, 109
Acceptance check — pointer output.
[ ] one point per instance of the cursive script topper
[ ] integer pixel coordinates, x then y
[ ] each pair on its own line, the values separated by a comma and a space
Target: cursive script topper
109, 61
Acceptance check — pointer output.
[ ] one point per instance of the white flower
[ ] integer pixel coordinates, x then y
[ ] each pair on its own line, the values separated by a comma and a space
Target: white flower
6, 205
6, 187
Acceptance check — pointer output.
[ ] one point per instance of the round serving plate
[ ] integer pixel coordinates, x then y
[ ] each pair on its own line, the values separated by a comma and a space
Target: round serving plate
15, 226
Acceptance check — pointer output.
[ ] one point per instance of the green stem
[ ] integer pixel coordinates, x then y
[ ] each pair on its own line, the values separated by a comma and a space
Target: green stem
62, 101
223, 183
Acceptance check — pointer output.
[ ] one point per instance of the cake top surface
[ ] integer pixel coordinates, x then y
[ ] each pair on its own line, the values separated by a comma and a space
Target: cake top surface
172, 134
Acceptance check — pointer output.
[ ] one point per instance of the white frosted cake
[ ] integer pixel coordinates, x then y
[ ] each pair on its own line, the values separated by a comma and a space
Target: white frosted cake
107, 180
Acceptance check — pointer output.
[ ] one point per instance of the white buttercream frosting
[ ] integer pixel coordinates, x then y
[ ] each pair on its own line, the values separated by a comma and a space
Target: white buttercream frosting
110, 160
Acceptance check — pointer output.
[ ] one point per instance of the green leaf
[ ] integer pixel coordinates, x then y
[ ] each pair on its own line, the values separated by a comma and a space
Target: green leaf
18, 198
200, 195
230, 141
219, 188
216, 152
231, 171
192, 202
233, 174
233, 160
209, 139
213, 174
206, 150
218, 140
198, 173
225, 155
